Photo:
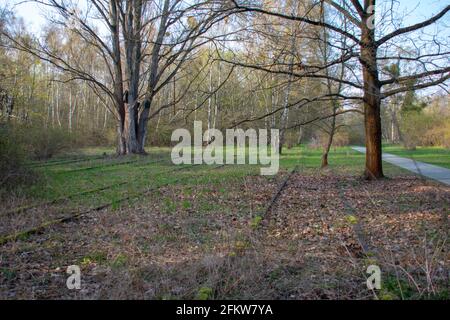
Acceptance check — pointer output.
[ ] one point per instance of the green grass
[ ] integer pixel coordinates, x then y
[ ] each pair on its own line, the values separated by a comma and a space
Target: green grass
433, 155
63, 179
341, 159
310, 158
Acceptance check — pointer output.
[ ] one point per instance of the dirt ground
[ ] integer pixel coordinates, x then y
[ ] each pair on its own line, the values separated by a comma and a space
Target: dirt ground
213, 241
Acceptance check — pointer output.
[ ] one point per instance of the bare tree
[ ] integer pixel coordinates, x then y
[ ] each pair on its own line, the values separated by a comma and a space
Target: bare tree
142, 50
368, 44
330, 124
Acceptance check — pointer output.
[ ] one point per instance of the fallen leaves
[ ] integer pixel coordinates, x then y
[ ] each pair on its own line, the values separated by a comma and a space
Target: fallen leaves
310, 229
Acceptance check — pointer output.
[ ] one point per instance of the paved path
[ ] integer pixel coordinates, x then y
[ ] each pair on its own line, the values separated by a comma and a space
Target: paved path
428, 170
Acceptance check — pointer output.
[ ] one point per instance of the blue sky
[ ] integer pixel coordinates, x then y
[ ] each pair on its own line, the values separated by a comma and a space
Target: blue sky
423, 9
30, 13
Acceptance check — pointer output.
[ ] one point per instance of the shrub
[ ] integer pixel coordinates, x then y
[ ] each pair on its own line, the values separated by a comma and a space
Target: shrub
424, 129
438, 134
204, 293
43, 143
341, 138
94, 137
160, 137
12, 159
413, 127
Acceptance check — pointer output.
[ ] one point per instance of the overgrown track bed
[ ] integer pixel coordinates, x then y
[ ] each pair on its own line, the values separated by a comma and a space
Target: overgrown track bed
114, 164
200, 234
334, 227
70, 196
204, 211
25, 208
77, 214
64, 162
405, 227
277, 194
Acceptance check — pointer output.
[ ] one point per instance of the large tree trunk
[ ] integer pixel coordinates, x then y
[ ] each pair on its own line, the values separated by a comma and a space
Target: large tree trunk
143, 116
374, 167
131, 142
121, 148
372, 103
131, 29
142, 125
119, 99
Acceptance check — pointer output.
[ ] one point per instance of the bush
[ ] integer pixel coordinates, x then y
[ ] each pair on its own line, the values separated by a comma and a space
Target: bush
94, 137
424, 129
12, 159
438, 134
43, 143
340, 139
160, 137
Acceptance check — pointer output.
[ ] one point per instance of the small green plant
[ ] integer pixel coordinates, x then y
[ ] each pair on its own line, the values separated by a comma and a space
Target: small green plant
387, 296
240, 246
370, 260
86, 261
256, 222
9, 274
188, 191
393, 288
96, 257
170, 206
166, 296
275, 274
351, 219
204, 293
115, 205
187, 204
119, 261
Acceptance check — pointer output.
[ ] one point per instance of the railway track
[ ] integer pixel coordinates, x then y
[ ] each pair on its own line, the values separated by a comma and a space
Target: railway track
358, 228
37, 205
279, 191
62, 162
76, 214
78, 160
100, 166
70, 196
